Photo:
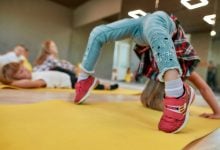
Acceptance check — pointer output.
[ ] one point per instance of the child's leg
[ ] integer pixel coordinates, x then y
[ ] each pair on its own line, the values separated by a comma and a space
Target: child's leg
106, 86
72, 75
100, 87
100, 35
158, 30
106, 33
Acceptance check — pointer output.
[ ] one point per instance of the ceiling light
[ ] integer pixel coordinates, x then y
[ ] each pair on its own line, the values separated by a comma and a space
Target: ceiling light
190, 6
136, 13
210, 19
213, 33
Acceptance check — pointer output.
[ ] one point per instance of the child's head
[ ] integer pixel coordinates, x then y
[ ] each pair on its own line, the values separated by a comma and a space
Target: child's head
153, 94
49, 48
13, 71
22, 50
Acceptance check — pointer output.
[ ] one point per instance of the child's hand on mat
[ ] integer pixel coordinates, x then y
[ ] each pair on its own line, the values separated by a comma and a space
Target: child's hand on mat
211, 115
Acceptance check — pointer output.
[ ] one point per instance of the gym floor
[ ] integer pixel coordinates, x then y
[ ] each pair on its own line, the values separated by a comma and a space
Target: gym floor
14, 97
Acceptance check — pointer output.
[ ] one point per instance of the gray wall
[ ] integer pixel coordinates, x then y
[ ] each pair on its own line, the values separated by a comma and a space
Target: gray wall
30, 22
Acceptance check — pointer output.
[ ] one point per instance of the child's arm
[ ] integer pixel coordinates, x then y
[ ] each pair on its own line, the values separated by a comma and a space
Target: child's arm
207, 94
29, 83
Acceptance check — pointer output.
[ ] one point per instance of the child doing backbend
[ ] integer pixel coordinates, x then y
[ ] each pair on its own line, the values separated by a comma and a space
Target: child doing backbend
164, 36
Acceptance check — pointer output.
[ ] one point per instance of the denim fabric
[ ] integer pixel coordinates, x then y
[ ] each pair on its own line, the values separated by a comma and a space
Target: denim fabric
154, 29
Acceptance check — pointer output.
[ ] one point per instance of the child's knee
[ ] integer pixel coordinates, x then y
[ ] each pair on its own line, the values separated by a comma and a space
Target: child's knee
98, 33
160, 14
97, 30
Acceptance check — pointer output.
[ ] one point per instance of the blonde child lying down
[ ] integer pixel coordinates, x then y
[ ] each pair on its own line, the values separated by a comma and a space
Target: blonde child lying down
16, 74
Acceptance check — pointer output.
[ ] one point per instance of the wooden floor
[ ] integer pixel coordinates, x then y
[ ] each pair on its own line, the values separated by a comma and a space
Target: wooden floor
8, 96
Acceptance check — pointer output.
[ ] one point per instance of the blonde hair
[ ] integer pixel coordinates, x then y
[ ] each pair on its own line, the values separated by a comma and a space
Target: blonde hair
45, 52
8, 71
153, 94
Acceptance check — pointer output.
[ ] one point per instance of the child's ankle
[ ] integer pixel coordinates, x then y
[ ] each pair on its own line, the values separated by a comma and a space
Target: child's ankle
83, 76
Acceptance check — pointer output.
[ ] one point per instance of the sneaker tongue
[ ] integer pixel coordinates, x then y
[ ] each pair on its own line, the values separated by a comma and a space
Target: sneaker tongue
171, 114
173, 101
174, 108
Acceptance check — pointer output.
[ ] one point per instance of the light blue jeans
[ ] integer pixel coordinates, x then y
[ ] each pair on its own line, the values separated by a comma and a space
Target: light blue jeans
154, 29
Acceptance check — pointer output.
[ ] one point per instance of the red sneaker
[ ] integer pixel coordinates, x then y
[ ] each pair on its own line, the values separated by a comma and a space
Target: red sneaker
176, 111
83, 89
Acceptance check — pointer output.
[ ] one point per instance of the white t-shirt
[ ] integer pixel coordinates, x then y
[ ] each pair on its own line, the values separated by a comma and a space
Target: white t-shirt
53, 79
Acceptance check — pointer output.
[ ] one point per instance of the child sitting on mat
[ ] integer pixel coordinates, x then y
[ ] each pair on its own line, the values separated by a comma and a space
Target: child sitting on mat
48, 58
16, 74
166, 38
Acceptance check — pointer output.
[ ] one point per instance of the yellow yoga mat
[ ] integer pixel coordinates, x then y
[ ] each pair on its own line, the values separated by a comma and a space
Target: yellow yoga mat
59, 125
117, 91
